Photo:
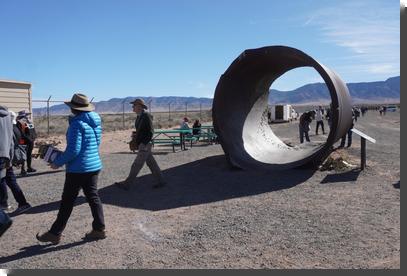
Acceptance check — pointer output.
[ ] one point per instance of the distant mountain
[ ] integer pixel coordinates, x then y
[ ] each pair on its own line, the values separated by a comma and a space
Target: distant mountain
363, 92
155, 104
315, 93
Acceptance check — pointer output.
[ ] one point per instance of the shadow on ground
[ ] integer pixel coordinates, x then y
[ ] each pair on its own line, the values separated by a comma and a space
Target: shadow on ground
38, 249
349, 176
199, 182
39, 173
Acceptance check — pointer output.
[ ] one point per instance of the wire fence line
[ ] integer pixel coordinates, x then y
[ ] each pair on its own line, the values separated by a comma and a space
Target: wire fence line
49, 122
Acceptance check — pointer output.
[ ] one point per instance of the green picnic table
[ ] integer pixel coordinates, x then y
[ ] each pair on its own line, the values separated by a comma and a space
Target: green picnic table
167, 136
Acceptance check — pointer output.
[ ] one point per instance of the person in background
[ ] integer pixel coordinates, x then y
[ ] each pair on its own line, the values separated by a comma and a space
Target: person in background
196, 128
142, 141
6, 147
304, 128
319, 116
83, 165
28, 138
348, 133
10, 179
184, 123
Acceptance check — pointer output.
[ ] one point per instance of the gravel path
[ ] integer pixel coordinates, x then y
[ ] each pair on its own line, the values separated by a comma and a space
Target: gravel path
212, 217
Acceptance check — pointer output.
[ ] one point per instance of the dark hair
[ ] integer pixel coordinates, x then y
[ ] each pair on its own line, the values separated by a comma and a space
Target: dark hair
75, 112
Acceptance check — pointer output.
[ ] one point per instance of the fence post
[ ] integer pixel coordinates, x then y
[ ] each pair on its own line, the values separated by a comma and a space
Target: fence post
123, 112
48, 113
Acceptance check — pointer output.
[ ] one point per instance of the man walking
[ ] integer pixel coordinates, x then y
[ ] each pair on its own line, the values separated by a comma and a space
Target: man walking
142, 141
319, 118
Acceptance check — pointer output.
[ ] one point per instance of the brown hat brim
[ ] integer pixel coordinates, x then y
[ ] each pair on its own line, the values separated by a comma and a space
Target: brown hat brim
89, 107
143, 105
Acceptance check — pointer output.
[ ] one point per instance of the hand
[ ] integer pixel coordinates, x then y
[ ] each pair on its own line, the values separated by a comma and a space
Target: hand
53, 166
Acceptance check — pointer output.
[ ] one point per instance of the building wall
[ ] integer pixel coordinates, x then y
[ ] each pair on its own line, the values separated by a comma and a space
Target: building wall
15, 95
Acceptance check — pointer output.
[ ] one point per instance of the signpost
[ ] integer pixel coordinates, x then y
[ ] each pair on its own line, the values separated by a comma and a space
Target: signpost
363, 138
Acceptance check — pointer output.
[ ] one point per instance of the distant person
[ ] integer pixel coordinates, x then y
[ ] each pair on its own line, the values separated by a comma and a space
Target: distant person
269, 116
142, 140
10, 178
28, 138
348, 133
184, 123
304, 126
319, 116
83, 165
356, 112
196, 128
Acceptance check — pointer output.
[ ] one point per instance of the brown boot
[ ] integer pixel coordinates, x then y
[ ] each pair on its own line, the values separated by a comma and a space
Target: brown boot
96, 235
49, 237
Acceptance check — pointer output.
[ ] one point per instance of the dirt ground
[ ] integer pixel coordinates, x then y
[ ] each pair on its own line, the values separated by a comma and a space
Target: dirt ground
209, 216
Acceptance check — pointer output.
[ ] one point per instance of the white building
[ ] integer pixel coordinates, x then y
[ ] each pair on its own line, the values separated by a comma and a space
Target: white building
16, 95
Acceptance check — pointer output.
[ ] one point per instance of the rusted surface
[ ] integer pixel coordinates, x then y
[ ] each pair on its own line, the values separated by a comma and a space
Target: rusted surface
240, 101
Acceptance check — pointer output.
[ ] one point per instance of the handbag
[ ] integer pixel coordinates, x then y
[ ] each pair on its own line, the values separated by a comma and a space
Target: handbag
5, 222
20, 155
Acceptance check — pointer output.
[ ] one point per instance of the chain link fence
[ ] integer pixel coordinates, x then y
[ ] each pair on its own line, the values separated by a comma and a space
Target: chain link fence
48, 122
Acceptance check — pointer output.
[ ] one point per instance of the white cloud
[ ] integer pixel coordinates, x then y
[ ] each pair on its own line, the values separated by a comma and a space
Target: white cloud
369, 30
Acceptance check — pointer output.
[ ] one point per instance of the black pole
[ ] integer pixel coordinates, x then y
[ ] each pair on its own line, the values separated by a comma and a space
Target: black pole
362, 153
123, 114
48, 112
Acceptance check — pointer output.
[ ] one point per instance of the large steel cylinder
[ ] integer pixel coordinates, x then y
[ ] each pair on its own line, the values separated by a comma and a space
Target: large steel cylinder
241, 100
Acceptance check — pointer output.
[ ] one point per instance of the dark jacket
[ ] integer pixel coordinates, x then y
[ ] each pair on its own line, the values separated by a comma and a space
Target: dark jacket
144, 128
6, 133
28, 134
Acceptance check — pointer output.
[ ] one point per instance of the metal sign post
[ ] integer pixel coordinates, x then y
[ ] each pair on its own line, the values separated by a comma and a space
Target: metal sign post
363, 138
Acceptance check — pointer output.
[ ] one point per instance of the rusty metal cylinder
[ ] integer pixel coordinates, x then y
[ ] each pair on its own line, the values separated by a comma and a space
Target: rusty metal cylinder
241, 100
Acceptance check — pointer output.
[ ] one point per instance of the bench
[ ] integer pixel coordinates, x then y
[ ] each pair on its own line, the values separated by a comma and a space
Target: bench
169, 141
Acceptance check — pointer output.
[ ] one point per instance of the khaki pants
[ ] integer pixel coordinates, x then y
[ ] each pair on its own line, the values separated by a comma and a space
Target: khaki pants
144, 155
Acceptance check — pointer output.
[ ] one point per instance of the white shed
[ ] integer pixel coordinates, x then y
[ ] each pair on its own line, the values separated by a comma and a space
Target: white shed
16, 95
282, 113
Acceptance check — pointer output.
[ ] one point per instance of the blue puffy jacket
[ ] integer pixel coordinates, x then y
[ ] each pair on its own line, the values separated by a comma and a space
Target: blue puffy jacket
82, 144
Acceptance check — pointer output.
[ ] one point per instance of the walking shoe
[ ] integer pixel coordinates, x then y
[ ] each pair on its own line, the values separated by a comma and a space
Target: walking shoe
6, 207
122, 185
31, 170
48, 237
159, 185
22, 209
95, 235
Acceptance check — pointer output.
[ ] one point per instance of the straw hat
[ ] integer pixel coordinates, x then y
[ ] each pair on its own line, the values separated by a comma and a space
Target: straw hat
140, 102
80, 102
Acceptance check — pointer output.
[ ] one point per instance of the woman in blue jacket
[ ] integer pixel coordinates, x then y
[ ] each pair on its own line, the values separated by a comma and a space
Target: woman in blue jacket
83, 164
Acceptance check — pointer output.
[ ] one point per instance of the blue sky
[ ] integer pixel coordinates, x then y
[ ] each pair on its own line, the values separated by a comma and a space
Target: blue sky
125, 48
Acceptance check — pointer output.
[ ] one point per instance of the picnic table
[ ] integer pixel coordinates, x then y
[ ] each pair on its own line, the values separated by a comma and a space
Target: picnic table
171, 136
207, 133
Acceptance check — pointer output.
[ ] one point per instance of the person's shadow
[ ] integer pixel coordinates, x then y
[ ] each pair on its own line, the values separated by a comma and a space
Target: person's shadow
199, 182
38, 249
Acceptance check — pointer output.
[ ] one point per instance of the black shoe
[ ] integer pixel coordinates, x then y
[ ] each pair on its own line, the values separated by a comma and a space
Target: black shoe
23, 173
49, 237
31, 170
